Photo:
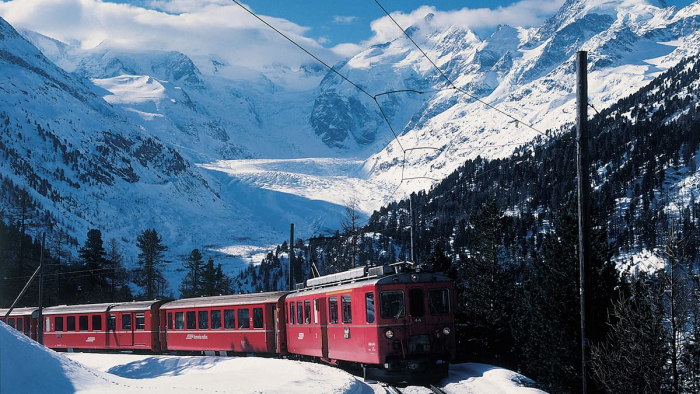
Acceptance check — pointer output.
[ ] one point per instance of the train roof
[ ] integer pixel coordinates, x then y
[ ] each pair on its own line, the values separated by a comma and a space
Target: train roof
135, 306
18, 311
372, 278
82, 308
237, 299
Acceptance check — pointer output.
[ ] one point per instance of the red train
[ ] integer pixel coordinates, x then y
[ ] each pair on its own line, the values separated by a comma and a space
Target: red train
395, 322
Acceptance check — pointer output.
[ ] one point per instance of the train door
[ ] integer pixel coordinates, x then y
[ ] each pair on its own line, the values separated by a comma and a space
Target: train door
126, 329
275, 328
112, 340
321, 316
416, 309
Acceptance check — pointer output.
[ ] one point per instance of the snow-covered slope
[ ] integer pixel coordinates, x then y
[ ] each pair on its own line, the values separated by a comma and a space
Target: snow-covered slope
222, 157
91, 162
529, 74
87, 373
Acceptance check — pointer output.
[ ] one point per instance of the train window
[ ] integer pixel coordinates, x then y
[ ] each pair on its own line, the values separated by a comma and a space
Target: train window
416, 302
203, 319
300, 313
333, 310
307, 311
47, 325
229, 318
19, 325
140, 321
316, 311
191, 320
11, 322
112, 323
243, 318
70, 323
96, 323
439, 301
179, 320
216, 319
126, 321
346, 305
170, 320
82, 323
369, 304
292, 313
392, 304
257, 317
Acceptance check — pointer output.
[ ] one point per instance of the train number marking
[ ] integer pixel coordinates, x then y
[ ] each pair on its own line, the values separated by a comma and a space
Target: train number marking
193, 336
301, 335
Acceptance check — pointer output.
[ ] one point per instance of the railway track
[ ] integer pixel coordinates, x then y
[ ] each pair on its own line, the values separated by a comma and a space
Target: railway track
436, 389
393, 390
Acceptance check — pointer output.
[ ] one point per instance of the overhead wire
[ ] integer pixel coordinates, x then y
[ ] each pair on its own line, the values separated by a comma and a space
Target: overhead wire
461, 90
452, 84
361, 89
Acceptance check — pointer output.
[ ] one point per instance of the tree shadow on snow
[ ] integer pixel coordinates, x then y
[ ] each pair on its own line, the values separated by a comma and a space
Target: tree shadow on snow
154, 367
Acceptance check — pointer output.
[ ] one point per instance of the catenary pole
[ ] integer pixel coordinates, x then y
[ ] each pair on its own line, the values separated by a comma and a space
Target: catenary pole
583, 186
291, 257
40, 321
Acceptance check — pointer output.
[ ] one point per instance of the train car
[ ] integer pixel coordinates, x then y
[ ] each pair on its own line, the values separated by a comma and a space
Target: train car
22, 320
244, 323
106, 326
394, 322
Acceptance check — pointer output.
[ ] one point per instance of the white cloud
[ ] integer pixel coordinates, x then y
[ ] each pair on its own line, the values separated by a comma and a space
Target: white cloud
202, 27
525, 13
344, 19
194, 27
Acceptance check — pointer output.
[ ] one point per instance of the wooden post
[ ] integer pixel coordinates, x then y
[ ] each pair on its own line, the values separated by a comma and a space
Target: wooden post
291, 257
40, 322
583, 185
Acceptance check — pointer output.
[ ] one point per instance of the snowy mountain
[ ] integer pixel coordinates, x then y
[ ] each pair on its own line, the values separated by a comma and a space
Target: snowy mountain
529, 75
90, 162
221, 157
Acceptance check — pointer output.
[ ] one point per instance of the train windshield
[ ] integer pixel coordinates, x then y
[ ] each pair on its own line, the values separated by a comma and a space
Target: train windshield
416, 302
439, 301
393, 305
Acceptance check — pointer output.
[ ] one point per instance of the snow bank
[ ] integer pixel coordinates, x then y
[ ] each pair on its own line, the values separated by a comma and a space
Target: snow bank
483, 378
27, 367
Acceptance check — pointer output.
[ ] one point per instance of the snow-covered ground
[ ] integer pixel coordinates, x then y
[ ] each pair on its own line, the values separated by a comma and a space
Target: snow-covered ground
27, 367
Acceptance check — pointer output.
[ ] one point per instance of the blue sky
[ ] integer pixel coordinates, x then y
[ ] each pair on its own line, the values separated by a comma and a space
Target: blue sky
332, 30
349, 20
337, 21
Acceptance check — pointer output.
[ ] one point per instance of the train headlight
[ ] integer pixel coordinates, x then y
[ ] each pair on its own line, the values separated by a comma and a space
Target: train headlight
389, 333
446, 331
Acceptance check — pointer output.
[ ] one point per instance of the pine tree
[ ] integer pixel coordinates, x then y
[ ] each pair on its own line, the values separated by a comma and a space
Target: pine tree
548, 328
484, 290
209, 278
633, 358
351, 229
151, 260
192, 283
93, 283
119, 279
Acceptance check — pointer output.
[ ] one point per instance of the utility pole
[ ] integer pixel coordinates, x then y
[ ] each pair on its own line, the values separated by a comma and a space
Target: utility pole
291, 257
583, 185
410, 209
40, 322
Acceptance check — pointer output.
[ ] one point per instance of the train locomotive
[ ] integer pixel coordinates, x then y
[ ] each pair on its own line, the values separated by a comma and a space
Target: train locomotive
395, 323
